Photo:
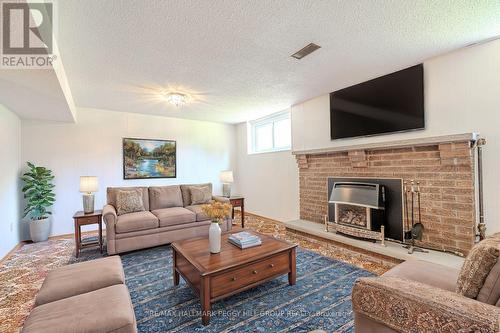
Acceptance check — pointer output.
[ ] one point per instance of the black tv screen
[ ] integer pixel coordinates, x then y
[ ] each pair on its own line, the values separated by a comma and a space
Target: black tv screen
391, 103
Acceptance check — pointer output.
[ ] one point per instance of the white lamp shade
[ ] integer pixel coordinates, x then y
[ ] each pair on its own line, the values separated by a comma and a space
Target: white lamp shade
89, 184
226, 176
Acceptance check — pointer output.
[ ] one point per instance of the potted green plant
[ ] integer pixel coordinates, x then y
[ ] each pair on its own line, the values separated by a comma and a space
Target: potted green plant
39, 195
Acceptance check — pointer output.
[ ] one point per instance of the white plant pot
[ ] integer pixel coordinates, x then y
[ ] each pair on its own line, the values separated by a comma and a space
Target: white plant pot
40, 230
214, 235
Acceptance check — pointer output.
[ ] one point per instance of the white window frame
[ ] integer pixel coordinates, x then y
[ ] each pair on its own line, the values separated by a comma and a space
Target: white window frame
271, 119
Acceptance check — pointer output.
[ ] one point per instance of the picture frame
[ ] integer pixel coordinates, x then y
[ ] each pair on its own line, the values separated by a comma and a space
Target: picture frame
149, 158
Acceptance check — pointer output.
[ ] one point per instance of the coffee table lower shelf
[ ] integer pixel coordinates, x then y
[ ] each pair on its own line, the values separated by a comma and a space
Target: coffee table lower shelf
228, 281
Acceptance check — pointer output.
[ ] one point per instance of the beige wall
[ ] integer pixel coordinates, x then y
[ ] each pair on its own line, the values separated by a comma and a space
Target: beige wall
462, 94
269, 181
92, 146
10, 155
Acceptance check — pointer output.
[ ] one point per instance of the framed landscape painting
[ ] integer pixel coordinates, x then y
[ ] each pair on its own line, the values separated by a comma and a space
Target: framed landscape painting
147, 158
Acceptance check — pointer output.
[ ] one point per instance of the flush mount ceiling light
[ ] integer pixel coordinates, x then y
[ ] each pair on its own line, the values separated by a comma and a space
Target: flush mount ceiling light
306, 50
176, 98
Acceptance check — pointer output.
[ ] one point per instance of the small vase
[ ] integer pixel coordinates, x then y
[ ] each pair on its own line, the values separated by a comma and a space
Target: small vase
214, 233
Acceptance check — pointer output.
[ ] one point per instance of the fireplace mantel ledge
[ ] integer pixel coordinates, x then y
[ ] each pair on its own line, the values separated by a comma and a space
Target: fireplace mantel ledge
424, 141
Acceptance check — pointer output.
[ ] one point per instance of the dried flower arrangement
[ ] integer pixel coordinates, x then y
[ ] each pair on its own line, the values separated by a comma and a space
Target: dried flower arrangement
217, 210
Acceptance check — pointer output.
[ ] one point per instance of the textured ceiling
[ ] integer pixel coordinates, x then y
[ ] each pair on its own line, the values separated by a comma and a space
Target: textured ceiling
235, 54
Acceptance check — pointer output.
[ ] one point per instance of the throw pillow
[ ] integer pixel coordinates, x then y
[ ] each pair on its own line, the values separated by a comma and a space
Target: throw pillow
165, 197
477, 266
186, 192
200, 195
129, 202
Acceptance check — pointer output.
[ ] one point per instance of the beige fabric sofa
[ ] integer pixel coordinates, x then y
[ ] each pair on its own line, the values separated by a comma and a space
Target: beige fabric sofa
169, 216
418, 296
85, 297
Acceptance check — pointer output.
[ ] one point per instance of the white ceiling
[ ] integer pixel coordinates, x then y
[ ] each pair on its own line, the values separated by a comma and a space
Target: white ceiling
34, 94
235, 54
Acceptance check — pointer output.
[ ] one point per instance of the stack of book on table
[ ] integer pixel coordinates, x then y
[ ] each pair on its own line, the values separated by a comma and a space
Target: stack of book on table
244, 240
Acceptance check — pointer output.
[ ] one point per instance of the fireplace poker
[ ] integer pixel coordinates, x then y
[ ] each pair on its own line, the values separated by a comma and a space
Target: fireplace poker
405, 193
418, 228
418, 200
412, 205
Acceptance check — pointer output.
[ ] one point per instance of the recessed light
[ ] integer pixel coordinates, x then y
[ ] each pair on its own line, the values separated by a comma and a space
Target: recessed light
306, 50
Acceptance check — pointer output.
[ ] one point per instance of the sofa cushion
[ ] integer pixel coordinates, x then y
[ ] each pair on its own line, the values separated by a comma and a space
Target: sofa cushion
200, 214
129, 202
477, 267
174, 215
136, 221
112, 191
200, 195
490, 292
104, 310
435, 275
186, 192
91, 275
165, 197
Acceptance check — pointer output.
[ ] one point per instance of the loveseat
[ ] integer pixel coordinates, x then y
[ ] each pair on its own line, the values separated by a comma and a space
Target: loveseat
169, 215
419, 296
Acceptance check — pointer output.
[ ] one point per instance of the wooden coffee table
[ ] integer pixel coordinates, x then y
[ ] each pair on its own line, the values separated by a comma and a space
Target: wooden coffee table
216, 276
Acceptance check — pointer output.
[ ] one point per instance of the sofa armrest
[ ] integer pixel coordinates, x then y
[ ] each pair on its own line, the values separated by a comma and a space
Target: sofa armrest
409, 306
109, 216
220, 199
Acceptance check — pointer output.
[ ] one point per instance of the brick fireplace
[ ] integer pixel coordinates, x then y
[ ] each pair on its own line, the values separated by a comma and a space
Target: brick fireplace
444, 166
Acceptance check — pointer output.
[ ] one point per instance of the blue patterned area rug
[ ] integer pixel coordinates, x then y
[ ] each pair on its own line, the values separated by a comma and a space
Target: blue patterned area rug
319, 300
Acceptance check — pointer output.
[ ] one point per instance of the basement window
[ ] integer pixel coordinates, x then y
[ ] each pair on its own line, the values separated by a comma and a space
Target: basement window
270, 134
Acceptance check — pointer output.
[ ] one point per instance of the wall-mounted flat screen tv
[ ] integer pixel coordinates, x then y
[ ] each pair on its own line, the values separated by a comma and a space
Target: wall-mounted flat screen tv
391, 103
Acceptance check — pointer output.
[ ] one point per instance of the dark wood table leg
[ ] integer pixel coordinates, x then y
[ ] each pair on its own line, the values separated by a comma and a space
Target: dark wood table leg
77, 238
100, 235
232, 213
292, 275
243, 214
176, 274
205, 300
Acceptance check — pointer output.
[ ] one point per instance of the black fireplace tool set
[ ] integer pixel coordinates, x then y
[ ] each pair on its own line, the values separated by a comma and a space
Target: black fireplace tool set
414, 227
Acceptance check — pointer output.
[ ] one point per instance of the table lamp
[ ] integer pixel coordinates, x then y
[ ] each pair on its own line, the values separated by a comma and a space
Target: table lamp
88, 185
226, 178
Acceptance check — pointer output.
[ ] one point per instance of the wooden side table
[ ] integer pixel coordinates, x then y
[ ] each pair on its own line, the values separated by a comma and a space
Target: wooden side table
238, 201
80, 219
